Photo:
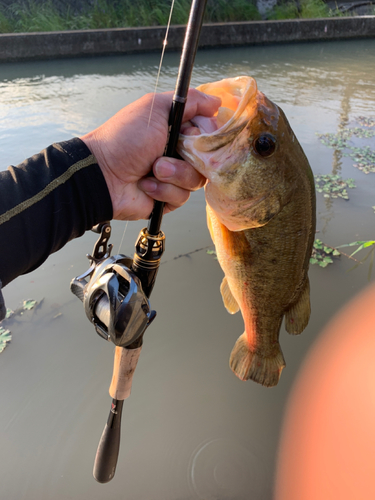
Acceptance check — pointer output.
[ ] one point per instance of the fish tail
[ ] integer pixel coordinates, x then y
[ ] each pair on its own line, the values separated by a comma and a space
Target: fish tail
248, 364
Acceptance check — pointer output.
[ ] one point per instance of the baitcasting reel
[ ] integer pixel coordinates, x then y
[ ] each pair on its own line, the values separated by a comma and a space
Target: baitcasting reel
112, 294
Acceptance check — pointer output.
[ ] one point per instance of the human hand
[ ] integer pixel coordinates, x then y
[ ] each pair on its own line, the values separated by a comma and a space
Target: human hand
127, 149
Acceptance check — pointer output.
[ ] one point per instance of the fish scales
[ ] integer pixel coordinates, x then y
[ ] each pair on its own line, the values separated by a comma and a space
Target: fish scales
261, 216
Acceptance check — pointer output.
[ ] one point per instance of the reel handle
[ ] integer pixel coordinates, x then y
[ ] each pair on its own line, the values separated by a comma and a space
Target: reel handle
78, 288
109, 445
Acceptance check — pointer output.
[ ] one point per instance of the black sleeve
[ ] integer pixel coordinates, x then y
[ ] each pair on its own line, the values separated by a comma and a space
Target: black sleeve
45, 202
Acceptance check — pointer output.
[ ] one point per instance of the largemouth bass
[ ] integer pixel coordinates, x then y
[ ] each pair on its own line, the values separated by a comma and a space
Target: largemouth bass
261, 216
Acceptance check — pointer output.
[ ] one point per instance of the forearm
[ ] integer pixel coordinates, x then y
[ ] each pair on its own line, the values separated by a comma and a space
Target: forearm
45, 202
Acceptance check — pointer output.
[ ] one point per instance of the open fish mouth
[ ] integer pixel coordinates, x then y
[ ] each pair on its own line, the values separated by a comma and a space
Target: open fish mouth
221, 148
238, 107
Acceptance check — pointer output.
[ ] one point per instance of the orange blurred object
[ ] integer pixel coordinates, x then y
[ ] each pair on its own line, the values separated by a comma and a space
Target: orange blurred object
327, 450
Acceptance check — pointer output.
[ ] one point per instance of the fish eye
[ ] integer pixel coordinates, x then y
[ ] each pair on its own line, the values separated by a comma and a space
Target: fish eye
265, 145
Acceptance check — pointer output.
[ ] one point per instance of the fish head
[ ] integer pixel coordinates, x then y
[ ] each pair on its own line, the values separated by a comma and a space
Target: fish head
247, 152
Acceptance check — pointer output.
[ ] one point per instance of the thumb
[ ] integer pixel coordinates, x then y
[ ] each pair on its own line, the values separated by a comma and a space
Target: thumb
199, 103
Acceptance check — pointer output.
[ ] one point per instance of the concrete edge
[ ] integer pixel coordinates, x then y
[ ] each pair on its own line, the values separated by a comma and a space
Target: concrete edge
63, 44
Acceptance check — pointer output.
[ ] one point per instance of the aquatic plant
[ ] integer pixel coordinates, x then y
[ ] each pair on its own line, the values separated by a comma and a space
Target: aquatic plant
29, 304
362, 133
322, 254
6, 335
364, 159
212, 252
5, 338
364, 121
337, 141
361, 246
340, 140
333, 186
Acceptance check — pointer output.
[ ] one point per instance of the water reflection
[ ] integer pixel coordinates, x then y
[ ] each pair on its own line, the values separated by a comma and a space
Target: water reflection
52, 95
191, 429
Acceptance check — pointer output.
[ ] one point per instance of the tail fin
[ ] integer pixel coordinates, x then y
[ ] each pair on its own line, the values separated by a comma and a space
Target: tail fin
248, 364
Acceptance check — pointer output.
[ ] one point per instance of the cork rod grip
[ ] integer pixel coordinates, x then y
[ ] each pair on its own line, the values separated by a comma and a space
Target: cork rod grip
123, 370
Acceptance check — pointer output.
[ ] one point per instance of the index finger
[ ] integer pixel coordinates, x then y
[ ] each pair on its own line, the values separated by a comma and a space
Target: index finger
198, 103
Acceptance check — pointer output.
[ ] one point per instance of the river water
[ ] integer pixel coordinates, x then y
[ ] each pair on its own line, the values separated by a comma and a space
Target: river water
191, 429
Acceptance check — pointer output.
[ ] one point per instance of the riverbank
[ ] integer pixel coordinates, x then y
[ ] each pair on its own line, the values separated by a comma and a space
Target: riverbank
64, 44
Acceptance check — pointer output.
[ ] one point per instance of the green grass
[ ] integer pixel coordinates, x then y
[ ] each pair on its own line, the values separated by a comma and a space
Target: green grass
303, 9
31, 16
230, 11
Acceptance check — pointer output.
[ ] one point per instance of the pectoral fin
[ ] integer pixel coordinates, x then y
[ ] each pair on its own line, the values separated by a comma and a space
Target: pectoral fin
228, 299
297, 318
254, 213
265, 210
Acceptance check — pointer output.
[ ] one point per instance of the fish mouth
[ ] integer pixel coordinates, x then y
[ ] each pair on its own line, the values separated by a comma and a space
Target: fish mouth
239, 106
221, 149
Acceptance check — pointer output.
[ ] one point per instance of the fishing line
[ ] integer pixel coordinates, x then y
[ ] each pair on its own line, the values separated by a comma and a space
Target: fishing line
165, 41
122, 239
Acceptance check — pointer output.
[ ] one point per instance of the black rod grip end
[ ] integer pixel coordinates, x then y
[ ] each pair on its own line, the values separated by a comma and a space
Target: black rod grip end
108, 448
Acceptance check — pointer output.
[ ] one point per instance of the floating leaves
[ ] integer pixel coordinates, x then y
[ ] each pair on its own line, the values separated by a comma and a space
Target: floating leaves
212, 252
9, 313
364, 159
5, 338
29, 304
333, 186
340, 140
6, 335
337, 141
365, 122
362, 133
322, 254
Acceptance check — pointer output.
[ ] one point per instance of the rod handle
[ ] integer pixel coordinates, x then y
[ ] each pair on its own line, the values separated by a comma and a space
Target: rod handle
109, 445
124, 365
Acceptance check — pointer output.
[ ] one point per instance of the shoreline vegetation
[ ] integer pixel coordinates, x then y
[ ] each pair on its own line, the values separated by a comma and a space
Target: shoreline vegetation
35, 16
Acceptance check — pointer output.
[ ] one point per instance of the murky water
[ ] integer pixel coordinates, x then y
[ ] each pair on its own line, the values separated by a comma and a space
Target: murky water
191, 429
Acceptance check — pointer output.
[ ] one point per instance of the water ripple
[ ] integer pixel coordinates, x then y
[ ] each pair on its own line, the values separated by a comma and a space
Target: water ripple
224, 468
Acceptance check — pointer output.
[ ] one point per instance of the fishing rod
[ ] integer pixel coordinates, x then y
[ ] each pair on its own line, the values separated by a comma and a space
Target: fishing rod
115, 289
